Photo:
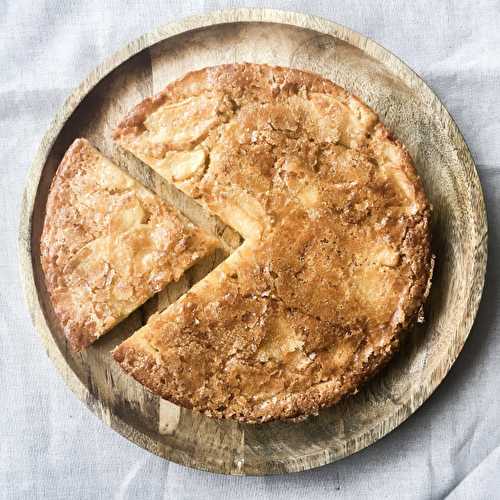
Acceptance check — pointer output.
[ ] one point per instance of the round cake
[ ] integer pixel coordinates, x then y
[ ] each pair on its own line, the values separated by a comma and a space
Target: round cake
336, 262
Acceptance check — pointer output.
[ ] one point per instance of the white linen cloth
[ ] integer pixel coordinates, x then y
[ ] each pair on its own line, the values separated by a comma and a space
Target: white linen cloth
51, 446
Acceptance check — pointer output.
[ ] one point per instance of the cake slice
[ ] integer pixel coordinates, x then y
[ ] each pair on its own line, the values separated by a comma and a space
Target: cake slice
108, 244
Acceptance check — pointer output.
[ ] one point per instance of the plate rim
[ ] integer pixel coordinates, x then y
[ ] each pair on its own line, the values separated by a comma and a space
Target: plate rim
245, 15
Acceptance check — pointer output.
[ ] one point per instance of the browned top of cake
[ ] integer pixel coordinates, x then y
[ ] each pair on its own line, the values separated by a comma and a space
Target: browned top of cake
336, 262
108, 244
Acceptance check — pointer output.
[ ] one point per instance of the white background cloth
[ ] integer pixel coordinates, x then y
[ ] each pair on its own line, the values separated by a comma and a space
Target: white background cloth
51, 446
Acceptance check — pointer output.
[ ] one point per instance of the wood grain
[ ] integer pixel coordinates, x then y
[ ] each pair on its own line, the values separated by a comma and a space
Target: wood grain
406, 105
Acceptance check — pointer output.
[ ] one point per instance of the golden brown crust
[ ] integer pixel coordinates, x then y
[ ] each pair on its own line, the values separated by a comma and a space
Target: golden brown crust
143, 365
108, 244
336, 262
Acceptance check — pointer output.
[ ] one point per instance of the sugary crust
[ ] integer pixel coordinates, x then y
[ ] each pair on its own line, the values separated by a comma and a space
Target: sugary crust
235, 80
108, 244
143, 365
336, 263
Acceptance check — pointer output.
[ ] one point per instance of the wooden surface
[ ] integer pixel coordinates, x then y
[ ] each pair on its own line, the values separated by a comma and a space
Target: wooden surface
406, 105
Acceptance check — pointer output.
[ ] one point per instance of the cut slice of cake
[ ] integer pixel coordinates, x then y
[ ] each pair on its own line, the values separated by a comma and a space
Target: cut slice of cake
108, 244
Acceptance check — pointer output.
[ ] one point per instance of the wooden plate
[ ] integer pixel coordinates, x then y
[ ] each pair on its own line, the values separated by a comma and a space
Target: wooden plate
406, 105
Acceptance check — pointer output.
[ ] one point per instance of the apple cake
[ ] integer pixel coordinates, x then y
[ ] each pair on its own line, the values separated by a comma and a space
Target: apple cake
108, 244
336, 262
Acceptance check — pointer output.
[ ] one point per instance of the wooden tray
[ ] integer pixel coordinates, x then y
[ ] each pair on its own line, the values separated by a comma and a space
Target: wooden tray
406, 105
